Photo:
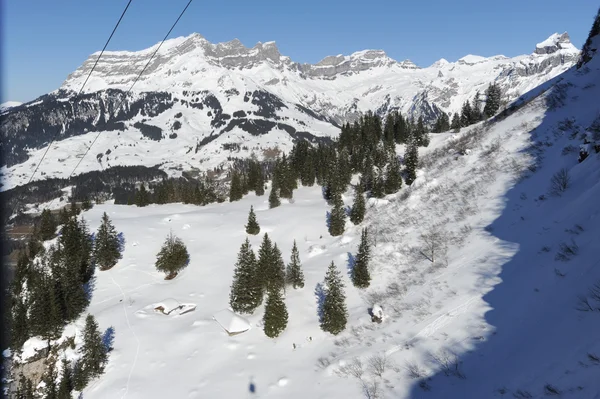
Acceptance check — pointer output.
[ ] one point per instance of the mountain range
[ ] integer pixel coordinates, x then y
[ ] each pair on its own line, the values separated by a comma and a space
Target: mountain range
199, 104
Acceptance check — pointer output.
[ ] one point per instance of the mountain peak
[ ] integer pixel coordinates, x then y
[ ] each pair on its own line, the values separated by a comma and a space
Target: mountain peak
554, 43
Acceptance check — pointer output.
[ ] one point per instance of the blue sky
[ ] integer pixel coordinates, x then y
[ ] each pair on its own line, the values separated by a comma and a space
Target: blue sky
43, 41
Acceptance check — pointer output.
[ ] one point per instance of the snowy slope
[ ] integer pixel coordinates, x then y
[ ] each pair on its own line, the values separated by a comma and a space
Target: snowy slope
500, 300
206, 97
5, 106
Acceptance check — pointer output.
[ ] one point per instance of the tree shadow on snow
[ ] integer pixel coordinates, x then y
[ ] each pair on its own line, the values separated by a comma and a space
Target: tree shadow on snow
351, 263
108, 338
320, 295
527, 327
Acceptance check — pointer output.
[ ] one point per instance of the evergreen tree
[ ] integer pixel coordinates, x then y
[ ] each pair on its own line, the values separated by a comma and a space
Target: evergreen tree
63, 216
337, 218
236, 190
357, 214
293, 273
378, 189
74, 209
252, 227
66, 381
86, 205
49, 379
276, 275
19, 328
274, 201
493, 96
48, 226
455, 125
420, 133
106, 245
173, 257
411, 160
476, 111
335, 314
24, 389
393, 180
360, 273
466, 114
265, 261
142, 197
93, 351
275, 318
245, 295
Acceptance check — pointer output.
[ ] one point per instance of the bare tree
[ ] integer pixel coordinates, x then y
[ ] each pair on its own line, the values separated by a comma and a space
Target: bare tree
560, 182
414, 371
354, 368
372, 390
379, 363
434, 243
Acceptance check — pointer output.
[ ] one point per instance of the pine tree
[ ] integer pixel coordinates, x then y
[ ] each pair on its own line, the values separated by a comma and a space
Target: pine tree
245, 295
236, 190
252, 227
93, 351
335, 314
293, 274
173, 257
24, 389
106, 245
466, 114
265, 260
378, 189
65, 386
48, 226
411, 160
275, 318
493, 96
74, 209
49, 380
476, 111
276, 275
455, 125
19, 328
274, 201
63, 216
360, 273
357, 214
142, 197
337, 218
86, 205
393, 179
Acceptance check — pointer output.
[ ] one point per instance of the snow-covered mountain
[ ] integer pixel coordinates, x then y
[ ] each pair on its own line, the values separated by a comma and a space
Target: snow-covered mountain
5, 106
508, 309
197, 98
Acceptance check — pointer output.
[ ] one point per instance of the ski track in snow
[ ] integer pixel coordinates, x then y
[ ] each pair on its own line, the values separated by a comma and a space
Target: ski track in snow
137, 351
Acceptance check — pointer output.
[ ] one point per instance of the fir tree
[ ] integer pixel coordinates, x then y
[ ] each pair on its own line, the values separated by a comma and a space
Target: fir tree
293, 273
19, 328
360, 272
393, 179
357, 214
66, 381
337, 218
455, 125
265, 260
63, 216
47, 229
86, 205
466, 114
236, 190
276, 275
274, 201
142, 197
24, 389
493, 96
106, 246
75, 210
49, 379
378, 189
94, 354
275, 318
252, 227
245, 295
335, 314
173, 257
476, 111
411, 160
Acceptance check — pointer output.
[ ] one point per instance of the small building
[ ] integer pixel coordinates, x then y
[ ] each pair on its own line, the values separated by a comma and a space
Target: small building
170, 305
231, 322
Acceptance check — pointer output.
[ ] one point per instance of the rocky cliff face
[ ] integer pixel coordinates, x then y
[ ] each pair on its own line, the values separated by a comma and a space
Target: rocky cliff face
197, 98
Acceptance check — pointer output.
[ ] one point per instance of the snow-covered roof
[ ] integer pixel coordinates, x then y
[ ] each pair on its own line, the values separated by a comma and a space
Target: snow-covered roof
231, 322
167, 305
